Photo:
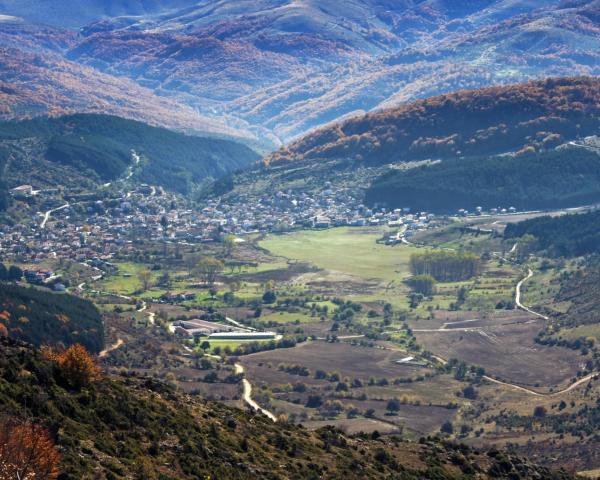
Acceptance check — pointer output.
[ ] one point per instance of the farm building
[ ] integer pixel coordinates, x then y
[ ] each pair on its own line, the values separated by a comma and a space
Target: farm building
243, 336
198, 328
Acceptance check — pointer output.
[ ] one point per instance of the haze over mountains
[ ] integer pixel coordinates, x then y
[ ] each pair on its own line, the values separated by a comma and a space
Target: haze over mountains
274, 70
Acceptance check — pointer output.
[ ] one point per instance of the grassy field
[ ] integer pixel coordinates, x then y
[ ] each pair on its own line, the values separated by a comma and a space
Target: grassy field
288, 317
352, 251
232, 344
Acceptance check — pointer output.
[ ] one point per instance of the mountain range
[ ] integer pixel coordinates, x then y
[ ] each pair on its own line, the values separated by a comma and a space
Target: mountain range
270, 71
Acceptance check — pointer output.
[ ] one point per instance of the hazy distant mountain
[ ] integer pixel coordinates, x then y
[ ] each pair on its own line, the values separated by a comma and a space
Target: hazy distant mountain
76, 13
279, 68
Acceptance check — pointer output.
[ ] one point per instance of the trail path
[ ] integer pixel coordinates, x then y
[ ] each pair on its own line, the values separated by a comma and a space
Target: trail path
114, 346
529, 391
247, 395
50, 212
239, 325
518, 296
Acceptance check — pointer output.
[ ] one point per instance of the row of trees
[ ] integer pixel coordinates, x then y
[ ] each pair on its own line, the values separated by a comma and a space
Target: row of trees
11, 273
444, 266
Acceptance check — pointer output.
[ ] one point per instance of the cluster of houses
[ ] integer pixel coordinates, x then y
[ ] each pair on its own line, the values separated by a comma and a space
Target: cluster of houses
46, 278
283, 211
94, 227
493, 211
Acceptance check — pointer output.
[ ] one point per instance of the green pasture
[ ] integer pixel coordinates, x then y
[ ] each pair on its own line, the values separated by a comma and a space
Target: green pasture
351, 251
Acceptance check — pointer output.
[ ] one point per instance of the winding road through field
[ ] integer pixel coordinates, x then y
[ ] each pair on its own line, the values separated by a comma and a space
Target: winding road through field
513, 386
247, 394
518, 296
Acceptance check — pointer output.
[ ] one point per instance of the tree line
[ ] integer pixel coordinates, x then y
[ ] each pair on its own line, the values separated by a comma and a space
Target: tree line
445, 266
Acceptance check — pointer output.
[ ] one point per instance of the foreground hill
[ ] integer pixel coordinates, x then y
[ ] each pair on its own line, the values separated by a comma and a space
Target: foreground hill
100, 147
494, 120
43, 318
113, 428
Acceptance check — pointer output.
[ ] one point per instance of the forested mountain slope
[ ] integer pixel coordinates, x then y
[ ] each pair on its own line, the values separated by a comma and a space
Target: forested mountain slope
44, 318
493, 120
564, 236
102, 145
136, 428
74, 14
276, 69
564, 177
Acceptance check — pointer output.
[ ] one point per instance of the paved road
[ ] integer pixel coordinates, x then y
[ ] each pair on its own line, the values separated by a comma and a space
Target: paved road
247, 395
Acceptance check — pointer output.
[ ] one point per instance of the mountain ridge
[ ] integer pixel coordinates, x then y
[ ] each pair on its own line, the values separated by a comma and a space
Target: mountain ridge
277, 70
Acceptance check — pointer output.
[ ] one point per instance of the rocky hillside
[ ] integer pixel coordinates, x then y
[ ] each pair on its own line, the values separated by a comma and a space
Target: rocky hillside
112, 428
277, 69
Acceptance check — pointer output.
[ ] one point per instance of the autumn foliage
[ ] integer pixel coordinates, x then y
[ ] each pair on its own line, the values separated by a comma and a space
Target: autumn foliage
76, 366
27, 451
538, 114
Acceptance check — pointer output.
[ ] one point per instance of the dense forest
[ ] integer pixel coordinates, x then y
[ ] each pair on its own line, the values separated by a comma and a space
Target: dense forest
102, 145
565, 236
4, 198
558, 178
137, 428
44, 318
539, 114
445, 266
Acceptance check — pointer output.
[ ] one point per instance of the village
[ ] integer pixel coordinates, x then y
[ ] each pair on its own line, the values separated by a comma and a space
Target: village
93, 227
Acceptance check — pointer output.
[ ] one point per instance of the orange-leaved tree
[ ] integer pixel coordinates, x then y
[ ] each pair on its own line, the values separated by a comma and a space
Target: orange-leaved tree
27, 451
75, 364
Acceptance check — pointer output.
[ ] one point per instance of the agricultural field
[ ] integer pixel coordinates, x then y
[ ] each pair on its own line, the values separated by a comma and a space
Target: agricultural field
504, 346
345, 299
360, 379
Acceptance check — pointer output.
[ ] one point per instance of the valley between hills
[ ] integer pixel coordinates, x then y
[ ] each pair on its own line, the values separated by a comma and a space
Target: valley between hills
299, 240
